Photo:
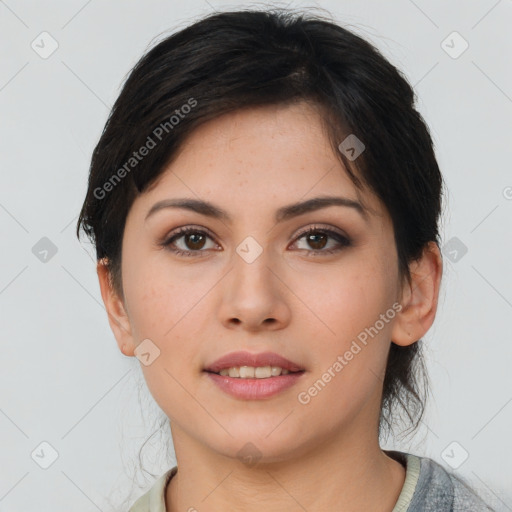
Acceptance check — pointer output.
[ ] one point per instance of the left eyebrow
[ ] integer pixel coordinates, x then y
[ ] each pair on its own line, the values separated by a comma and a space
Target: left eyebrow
282, 214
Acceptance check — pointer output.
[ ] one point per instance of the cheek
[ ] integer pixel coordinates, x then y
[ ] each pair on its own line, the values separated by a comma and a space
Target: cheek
151, 307
349, 305
343, 302
155, 297
165, 313
349, 365
166, 306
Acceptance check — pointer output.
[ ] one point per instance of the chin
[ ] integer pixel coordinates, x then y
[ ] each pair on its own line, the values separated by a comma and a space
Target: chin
261, 445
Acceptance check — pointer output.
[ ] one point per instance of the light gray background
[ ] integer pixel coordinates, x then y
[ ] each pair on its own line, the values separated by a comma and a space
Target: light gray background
63, 380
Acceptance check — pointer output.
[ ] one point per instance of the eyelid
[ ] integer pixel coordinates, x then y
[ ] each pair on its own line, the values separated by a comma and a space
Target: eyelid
343, 239
183, 230
319, 227
302, 231
167, 240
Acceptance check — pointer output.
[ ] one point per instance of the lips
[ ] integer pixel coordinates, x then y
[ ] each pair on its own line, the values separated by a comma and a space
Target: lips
243, 358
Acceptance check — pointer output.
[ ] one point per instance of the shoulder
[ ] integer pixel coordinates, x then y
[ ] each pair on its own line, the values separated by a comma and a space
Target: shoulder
465, 498
154, 499
439, 490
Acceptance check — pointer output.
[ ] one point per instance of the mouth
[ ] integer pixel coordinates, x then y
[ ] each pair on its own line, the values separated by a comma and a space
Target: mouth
247, 376
252, 372
244, 365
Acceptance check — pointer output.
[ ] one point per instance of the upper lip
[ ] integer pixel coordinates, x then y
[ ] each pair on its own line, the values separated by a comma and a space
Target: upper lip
243, 358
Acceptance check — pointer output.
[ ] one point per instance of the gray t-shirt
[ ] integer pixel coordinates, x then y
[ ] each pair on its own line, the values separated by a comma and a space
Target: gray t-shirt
428, 487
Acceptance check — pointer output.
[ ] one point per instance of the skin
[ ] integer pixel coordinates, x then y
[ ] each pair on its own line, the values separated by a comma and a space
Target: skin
306, 307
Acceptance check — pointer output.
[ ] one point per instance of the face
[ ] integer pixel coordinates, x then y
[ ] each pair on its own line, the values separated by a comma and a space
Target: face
248, 281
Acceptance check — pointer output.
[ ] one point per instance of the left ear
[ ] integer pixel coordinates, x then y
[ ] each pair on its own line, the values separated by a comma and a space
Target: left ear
419, 298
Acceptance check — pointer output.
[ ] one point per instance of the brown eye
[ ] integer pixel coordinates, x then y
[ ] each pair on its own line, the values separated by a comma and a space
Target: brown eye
318, 239
192, 241
195, 241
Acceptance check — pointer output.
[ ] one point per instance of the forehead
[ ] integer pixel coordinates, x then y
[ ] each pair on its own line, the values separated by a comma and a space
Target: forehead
260, 155
265, 137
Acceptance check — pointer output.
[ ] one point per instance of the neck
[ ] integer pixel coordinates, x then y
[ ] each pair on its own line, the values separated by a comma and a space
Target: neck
346, 473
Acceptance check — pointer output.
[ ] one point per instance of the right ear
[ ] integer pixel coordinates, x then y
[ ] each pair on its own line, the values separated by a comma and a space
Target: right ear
116, 311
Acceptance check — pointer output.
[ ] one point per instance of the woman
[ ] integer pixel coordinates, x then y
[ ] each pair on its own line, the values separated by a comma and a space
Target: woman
264, 201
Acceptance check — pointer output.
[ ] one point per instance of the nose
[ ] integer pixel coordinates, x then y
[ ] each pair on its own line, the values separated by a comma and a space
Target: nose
254, 295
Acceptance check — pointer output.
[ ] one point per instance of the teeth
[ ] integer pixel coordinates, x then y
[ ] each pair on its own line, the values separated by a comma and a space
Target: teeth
250, 372
233, 372
246, 372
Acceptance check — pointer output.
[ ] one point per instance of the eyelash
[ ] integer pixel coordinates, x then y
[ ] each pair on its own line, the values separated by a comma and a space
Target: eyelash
342, 240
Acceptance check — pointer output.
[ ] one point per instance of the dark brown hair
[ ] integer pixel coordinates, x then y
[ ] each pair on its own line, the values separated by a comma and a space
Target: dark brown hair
231, 60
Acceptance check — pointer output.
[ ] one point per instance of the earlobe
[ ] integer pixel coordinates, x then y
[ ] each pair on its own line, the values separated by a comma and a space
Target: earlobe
419, 298
116, 311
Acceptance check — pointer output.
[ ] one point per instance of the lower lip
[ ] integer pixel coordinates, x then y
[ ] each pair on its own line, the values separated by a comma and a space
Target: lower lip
255, 389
